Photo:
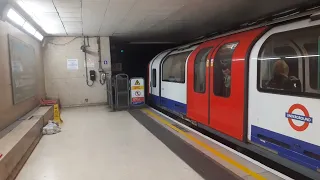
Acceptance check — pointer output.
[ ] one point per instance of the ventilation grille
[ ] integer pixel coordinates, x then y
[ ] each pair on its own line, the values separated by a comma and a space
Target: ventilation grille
274, 141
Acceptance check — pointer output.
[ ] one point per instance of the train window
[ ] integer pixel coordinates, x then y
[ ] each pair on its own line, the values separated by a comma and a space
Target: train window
173, 68
154, 78
288, 63
222, 70
314, 65
200, 70
293, 63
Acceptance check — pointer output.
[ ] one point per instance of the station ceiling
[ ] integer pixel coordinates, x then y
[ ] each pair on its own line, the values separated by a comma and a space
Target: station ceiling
149, 20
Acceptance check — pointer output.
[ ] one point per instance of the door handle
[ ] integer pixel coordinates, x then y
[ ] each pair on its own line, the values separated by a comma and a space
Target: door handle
162, 89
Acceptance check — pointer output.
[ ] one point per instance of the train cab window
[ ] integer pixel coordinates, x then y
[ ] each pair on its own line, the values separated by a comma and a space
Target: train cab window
154, 78
222, 70
173, 68
288, 63
200, 70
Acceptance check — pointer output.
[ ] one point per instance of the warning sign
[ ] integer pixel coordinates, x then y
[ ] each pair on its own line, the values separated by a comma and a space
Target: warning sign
56, 114
137, 91
137, 87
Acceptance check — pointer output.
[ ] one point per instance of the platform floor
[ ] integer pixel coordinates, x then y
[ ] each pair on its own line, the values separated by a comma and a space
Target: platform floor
140, 145
100, 145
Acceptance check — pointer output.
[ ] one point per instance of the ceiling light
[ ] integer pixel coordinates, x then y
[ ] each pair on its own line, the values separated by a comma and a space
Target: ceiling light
35, 11
15, 17
30, 29
38, 36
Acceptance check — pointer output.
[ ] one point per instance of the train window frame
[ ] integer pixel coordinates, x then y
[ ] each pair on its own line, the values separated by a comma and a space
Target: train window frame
304, 94
154, 77
310, 65
184, 69
236, 43
207, 51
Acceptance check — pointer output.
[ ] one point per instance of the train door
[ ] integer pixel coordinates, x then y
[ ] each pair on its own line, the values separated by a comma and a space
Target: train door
227, 88
154, 74
198, 81
284, 92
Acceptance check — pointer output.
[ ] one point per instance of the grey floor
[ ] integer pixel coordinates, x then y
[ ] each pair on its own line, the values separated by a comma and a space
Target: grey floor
100, 145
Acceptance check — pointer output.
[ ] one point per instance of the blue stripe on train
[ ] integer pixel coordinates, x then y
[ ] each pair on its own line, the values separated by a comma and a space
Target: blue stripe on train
154, 99
175, 106
296, 151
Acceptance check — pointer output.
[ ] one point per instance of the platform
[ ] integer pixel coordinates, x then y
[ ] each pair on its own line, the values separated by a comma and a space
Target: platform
139, 144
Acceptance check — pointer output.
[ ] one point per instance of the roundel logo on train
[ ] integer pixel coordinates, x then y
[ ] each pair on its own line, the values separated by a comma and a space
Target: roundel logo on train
294, 114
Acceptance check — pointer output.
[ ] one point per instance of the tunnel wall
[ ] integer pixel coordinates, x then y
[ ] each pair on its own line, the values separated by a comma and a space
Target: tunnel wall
70, 85
8, 111
134, 58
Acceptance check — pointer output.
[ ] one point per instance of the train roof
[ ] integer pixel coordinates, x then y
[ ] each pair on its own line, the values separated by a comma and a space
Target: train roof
279, 18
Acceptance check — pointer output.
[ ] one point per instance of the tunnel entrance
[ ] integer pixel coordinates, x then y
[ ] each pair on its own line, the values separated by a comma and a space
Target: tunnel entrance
133, 59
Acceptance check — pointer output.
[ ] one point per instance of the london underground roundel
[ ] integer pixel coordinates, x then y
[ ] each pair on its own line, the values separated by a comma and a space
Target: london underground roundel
305, 117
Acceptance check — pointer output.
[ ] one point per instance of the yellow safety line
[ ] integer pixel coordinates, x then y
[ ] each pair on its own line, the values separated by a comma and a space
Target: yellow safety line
206, 146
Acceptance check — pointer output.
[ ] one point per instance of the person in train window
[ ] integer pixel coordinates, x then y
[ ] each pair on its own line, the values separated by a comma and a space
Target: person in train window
227, 78
280, 79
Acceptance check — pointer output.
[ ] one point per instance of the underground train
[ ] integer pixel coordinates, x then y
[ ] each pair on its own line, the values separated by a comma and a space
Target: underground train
258, 87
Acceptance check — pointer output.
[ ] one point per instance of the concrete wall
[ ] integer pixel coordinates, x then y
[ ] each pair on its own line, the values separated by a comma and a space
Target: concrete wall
9, 112
70, 85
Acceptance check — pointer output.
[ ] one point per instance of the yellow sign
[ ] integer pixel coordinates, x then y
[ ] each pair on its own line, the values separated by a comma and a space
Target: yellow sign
56, 114
137, 87
137, 83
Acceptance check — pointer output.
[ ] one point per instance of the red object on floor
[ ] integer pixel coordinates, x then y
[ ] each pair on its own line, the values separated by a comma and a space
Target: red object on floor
0, 155
46, 102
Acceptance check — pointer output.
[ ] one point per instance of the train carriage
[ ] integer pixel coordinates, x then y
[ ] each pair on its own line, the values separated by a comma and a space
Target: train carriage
286, 120
259, 87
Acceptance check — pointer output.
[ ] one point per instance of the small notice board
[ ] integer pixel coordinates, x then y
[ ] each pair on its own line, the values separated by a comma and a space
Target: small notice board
137, 91
72, 64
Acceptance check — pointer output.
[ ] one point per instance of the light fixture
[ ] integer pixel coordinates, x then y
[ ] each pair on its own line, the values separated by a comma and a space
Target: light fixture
48, 24
38, 36
294, 57
15, 17
19, 20
30, 29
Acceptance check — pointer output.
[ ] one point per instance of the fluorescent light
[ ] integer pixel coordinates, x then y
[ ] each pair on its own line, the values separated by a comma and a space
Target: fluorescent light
19, 20
15, 17
275, 58
289, 57
36, 13
30, 29
38, 36
294, 57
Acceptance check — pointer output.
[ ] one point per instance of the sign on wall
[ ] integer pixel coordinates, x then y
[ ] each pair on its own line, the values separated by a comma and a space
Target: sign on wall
89, 64
137, 91
23, 65
72, 64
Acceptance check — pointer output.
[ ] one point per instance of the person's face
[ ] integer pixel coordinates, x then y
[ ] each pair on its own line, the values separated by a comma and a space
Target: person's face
226, 72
